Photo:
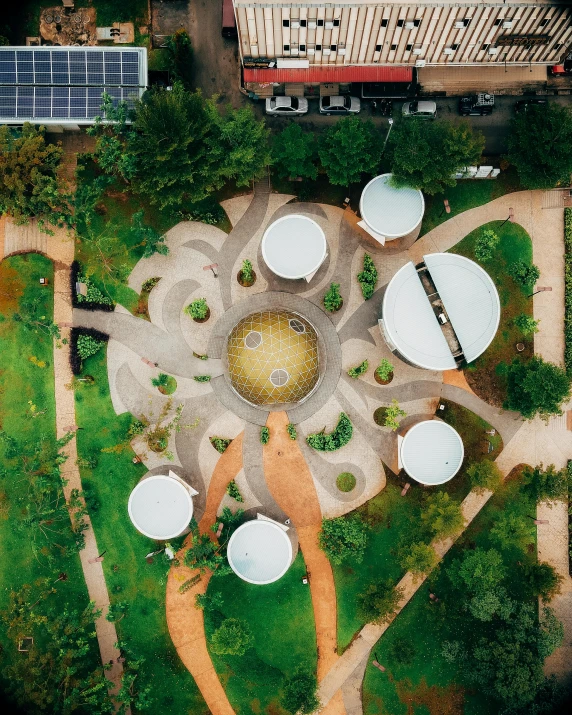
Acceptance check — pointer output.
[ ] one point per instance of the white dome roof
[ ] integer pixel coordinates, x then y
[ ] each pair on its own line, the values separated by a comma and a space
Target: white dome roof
259, 552
294, 246
160, 507
389, 211
432, 452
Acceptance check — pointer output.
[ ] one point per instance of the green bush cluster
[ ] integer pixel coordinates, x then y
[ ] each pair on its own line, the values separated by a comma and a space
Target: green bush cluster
202, 378
345, 481
486, 244
568, 291
220, 443
247, 272
359, 369
88, 346
264, 435
233, 491
198, 309
94, 295
526, 324
524, 274
384, 369
334, 440
333, 299
291, 429
367, 277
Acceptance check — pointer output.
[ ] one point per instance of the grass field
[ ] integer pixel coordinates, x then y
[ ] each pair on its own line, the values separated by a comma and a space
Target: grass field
484, 375
129, 577
281, 619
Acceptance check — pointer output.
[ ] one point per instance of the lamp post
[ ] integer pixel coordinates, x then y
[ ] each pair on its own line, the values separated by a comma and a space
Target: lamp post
390, 120
510, 218
541, 290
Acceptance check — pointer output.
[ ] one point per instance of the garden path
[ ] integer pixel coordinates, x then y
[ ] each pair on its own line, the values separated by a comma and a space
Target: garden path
185, 622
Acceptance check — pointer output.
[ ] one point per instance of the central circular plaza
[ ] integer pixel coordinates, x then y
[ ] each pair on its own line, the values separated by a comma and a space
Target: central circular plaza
273, 358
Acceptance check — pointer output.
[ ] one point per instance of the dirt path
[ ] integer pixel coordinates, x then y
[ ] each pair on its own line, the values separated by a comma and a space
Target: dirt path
292, 486
185, 622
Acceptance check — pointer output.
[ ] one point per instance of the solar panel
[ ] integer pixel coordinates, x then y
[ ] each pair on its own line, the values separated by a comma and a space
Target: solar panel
28, 103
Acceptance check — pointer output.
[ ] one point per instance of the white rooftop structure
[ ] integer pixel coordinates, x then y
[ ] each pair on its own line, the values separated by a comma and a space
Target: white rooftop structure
259, 552
294, 247
161, 506
431, 452
388, 212
470, 300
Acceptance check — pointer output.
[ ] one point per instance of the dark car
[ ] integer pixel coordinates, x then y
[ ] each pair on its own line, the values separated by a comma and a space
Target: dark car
478, 105
524, 104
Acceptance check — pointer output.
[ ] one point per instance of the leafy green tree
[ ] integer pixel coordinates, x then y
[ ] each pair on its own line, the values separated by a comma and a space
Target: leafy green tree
402, 651
299, 693
145, 236
484, 475
392, 413
526, 324
379, 601
198, 309
426, 155
523, 273
442, 515
541, 580
384, 369
206, 554
419, 558
550, 485
264, 435
511, 529
332, 298
181, 58
540, 146
367, 277
486, 244
348, 149
209, 601
344, 538
30, 186
294, 153
337, 439
231, 638
536, 387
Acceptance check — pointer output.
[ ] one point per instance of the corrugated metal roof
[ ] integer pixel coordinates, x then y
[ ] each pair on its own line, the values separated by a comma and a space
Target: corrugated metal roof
411, 324
294, 246
432, 452
470, 299
160, 507
259, 552
334, 73
389, 211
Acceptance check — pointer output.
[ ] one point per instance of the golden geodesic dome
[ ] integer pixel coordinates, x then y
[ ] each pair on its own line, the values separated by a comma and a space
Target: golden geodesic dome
273, 357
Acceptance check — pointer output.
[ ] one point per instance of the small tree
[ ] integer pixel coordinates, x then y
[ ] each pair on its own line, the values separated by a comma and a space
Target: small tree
292, 432
233, 491
231, 638
333, 299
542, 580
419, 558
344, 538
536, 387
392, 413
442, 515
247, 272
384, 370
198, 309
523, 273
350, 148
299, 693
402, 651
181, 58
359, 369
264, 435
484, 475
486, 244
511, 529
162, 380
379, 601
526, 324
548, 484
209, 601
368, 277
294, 153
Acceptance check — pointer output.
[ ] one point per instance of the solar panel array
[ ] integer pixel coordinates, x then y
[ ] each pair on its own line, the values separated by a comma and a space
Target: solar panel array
65, 83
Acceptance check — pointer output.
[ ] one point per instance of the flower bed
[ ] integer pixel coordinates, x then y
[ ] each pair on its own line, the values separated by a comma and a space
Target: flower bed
568, 291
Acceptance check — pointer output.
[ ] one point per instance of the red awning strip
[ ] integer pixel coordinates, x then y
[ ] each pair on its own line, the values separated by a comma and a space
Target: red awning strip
341, 73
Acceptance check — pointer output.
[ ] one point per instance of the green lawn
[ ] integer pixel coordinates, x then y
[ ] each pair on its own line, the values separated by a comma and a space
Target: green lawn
484, 375
281, 619
467, 194
22, 381
129, 577
429, 684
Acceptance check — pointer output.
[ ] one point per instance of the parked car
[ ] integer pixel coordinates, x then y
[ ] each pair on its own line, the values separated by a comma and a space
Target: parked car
286, 106
421, 110
339, 105
477, 105
524, 104
563, 69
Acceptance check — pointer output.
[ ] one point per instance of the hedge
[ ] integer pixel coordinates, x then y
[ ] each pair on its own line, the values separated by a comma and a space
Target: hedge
76, 274
335, 440
568, 291
75, 333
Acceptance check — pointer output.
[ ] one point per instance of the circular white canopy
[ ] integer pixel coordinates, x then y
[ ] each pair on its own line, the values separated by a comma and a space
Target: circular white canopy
391, 212
432, 452
259, 552
160, 507
294, 246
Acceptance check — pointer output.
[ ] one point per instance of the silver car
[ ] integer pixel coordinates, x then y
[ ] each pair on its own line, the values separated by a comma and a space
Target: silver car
339, 105
421, 110
286, 106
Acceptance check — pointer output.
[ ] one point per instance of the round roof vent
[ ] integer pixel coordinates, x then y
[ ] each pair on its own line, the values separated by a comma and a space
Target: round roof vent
297, 326
253, 339
279, 377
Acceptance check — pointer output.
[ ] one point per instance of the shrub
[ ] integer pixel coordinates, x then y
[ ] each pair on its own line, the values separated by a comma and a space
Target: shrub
149, 284
345, 481
233, 491
379, 601
81, 301
135, 428
198, 309
299, 692
486, 244
78, 338
333, 299
232, 638
264, 435
291, 429
392, 413
542, 580
246, 272
419, 558
402, 651
87, 346
220, 443
368, 277
359, 369
524, 274
161, 380
526, 324
94, 295
384, 369
536, 387
334, 440
568, 291
202, 378
546, 484
442, 515
343, 538
484, 475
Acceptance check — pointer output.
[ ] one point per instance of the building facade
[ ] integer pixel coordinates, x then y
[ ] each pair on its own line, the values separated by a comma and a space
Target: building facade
405, 32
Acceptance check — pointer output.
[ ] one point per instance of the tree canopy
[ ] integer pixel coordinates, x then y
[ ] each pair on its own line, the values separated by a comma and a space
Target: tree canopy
299, 693
30, 186
349, 148
548, 484
540, 146
379, 601
442, 515
294, 153
344, 538
536, 387
231, 638
426, 155
484, 475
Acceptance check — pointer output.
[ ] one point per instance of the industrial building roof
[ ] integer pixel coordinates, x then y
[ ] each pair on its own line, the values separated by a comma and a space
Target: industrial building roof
327, 73
432, 452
